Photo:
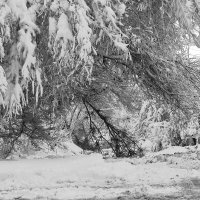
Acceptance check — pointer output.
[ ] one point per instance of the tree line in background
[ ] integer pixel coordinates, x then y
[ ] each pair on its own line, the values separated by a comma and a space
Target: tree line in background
105, 73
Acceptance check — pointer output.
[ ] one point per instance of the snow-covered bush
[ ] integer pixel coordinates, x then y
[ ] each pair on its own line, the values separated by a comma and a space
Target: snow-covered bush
160, 125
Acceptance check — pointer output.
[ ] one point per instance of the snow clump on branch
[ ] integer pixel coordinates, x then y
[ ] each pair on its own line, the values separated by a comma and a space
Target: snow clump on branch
72, 27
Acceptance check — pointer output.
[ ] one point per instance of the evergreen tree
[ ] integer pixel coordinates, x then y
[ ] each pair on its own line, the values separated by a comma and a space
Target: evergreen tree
87, 52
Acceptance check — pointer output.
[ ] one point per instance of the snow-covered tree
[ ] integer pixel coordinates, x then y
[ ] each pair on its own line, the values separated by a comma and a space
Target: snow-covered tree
72, 30
98, 53
68, 49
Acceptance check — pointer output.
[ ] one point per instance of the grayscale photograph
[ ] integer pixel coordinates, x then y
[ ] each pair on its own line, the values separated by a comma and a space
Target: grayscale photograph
99, 99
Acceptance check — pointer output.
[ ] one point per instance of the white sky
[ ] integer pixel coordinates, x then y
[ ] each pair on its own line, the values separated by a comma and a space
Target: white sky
194, 51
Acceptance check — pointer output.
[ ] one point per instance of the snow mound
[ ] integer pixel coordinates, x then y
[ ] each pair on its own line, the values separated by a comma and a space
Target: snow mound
59, 150
62, 149
172, 150
71, 147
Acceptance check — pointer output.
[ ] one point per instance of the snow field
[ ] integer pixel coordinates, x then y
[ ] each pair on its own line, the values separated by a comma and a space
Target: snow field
81, 176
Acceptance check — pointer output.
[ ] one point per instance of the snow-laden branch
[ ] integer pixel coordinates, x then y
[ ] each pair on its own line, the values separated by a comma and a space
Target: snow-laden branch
74, 30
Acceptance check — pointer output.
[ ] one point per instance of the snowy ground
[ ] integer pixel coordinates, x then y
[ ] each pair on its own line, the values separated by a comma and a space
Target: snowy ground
91, 177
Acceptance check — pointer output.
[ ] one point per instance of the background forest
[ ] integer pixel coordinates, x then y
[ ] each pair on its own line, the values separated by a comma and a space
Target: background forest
104, 74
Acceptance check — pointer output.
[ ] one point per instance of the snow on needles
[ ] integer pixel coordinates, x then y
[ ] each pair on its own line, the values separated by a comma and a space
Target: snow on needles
73, 35
22, 53
3, 85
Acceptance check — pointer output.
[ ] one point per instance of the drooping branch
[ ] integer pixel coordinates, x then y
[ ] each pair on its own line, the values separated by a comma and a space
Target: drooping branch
119, 138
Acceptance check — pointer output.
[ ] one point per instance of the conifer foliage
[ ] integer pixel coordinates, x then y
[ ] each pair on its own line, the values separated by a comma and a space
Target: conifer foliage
73, 27
65, 37
75, 51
